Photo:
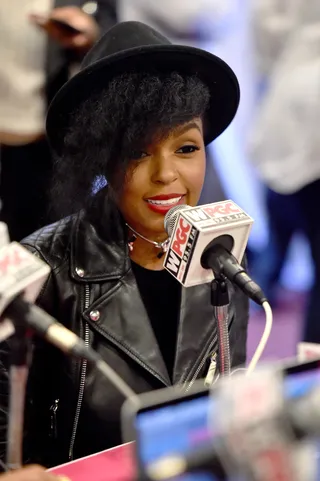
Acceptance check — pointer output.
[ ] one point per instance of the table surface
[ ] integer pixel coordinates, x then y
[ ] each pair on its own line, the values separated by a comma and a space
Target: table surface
116, 464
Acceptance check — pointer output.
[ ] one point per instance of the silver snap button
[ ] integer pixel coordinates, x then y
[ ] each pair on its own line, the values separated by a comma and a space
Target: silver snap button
80, 272
94, 315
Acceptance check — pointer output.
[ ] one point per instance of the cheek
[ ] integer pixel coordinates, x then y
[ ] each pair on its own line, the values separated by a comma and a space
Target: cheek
132, 190
196, 176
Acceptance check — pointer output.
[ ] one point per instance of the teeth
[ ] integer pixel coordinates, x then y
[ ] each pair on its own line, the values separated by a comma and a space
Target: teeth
165, 202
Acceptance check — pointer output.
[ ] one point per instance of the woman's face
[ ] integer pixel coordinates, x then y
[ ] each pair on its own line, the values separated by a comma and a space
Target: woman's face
167, 173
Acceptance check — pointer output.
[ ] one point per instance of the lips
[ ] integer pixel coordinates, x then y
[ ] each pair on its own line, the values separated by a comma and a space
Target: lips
171, 202
163, 203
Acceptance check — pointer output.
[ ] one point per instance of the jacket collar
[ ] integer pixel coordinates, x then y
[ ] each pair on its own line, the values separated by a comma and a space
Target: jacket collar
93, 257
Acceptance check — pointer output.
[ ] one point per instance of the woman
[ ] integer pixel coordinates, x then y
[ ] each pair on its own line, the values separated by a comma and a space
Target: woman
139, 115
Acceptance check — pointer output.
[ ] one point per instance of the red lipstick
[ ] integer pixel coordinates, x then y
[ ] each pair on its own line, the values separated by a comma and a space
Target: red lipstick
162, 203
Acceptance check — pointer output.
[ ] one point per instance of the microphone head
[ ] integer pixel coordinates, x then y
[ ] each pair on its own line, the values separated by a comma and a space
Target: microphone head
192, 229
171, 217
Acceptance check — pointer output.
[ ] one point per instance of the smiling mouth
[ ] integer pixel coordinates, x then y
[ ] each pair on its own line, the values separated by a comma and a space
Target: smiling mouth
165, 202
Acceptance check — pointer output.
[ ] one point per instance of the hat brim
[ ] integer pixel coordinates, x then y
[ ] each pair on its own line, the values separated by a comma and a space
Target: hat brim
214, 72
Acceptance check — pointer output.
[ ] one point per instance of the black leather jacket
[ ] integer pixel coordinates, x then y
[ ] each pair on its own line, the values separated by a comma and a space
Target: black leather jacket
72, 411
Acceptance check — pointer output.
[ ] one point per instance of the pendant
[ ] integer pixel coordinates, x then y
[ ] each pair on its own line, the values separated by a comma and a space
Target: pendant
130, 243
164, 247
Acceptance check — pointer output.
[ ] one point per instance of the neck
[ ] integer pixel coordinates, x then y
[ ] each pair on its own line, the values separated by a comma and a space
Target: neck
146, 255
146, 252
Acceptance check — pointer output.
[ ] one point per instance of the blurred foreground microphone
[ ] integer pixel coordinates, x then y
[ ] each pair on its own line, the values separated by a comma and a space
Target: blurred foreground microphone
209, 241
260, 436
22, 275
263, 437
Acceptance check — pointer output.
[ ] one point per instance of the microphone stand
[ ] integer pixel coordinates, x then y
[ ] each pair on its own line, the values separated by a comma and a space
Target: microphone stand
220, 304
19, 371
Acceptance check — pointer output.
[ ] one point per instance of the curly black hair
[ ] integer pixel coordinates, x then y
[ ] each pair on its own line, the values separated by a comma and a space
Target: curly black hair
107, 128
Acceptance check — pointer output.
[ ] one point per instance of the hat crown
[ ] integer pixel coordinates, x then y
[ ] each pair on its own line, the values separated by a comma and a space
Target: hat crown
123, 36
135, 47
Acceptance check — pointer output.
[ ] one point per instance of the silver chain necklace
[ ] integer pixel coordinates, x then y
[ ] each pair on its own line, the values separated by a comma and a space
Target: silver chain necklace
163, 246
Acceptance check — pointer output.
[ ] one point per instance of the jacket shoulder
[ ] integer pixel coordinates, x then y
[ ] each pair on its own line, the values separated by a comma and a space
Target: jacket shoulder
52, 242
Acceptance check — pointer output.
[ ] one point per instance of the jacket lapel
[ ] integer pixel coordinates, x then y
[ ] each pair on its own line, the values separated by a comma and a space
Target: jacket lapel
124, 323
123, 319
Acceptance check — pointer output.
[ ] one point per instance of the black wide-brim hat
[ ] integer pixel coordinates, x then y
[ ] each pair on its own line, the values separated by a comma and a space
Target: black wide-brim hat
134, 46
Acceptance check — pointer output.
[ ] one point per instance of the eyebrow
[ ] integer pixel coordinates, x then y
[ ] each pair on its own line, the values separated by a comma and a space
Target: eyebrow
185, 128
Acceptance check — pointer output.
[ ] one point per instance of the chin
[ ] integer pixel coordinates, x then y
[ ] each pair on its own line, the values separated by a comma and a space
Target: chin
158, 228
155, 228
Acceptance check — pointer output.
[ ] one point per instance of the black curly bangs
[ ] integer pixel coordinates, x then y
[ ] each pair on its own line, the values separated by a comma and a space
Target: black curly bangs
106, 130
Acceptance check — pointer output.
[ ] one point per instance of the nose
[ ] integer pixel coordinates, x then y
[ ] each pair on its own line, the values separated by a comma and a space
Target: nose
163, 170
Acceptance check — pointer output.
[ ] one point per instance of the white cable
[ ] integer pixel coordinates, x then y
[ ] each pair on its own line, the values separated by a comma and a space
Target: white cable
238, 370
264, 339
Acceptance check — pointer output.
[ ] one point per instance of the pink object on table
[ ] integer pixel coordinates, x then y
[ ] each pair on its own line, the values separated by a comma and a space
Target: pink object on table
116, 464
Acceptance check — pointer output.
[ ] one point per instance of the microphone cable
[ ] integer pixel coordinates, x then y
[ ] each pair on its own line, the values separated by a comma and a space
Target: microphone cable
264, 338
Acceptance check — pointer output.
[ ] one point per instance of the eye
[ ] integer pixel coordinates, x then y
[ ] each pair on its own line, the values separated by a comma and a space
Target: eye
138, 154
187, 149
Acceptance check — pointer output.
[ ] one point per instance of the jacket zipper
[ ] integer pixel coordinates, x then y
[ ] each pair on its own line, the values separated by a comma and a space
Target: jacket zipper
83, 373
211, 374
53, 424
209, 353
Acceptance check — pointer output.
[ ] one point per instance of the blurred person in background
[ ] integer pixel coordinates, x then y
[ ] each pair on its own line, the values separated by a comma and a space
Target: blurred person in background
41, 42
285, 141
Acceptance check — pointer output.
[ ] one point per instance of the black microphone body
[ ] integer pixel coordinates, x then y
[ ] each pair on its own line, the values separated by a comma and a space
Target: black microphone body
223, 263
39, 321
26, 314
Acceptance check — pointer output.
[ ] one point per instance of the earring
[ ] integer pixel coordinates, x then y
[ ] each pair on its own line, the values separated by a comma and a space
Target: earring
130, 242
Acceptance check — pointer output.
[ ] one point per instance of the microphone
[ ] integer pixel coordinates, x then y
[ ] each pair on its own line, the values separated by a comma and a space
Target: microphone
258, 435
208, 242
64, 339
261, 435
21, 349
22, 274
